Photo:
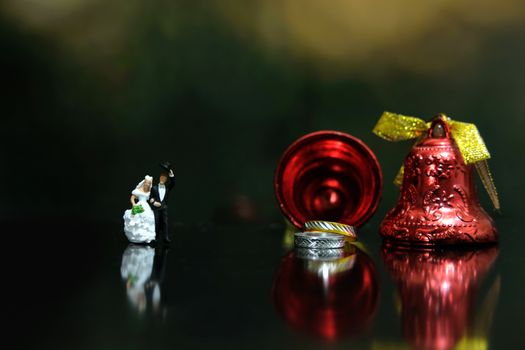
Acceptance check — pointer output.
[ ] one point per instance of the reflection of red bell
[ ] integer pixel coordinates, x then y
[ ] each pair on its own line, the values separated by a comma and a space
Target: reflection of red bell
327, 298
328, 175
437, 291
438, 202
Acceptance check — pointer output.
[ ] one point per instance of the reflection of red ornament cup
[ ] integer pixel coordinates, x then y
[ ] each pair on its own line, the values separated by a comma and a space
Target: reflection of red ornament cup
329, 299
328, 175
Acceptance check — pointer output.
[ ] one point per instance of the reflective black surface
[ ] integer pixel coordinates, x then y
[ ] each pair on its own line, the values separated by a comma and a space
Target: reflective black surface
96, 93
215, 286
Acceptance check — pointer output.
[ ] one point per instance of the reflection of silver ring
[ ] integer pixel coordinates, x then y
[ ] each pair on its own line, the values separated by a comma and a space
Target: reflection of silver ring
319, 240
332, 227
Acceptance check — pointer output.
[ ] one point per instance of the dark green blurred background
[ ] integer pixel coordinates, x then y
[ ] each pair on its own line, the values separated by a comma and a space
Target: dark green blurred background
96, 93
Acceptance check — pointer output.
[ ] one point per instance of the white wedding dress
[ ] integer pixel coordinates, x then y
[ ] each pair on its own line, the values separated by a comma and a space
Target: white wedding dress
140, 228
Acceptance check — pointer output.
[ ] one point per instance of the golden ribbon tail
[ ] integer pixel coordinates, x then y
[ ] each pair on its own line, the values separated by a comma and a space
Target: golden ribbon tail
474, 151
397, 127
488, 182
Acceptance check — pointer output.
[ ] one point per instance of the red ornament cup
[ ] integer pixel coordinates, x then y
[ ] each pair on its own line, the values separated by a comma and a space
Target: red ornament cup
328, 175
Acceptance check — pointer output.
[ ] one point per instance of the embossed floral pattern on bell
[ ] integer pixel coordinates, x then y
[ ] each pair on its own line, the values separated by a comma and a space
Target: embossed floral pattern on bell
438, 202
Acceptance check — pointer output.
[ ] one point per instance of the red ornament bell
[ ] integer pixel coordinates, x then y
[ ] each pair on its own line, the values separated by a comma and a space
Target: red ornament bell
328, 175
438, 204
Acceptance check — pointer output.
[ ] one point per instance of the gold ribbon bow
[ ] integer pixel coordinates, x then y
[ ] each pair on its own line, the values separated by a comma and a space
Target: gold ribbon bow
397, 127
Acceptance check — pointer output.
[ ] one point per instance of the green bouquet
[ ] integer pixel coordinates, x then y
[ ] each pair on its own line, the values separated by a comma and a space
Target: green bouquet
137, 209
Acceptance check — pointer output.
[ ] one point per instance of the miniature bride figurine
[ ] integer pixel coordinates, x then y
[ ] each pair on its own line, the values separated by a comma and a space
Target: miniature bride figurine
139, 221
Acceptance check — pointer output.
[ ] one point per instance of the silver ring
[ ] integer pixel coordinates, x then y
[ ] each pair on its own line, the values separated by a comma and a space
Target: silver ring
319, 240
319, 254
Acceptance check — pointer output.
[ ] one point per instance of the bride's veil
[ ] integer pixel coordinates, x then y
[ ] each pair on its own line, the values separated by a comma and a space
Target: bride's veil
147, 177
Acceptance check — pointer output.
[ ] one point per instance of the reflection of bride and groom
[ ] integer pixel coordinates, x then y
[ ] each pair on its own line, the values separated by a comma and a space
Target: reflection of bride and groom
147, 219
143, 269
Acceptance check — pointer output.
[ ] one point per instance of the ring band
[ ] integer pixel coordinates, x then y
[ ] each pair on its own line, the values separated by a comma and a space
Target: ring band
319, 254
319, 240
331, 227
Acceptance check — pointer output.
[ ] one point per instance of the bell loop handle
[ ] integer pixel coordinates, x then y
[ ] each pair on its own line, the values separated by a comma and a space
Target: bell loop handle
439, 127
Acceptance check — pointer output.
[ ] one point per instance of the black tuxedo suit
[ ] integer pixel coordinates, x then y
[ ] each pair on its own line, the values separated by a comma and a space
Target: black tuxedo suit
161, 213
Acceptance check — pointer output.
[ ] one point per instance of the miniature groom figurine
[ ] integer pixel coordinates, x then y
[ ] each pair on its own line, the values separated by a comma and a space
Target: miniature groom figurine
159, 201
